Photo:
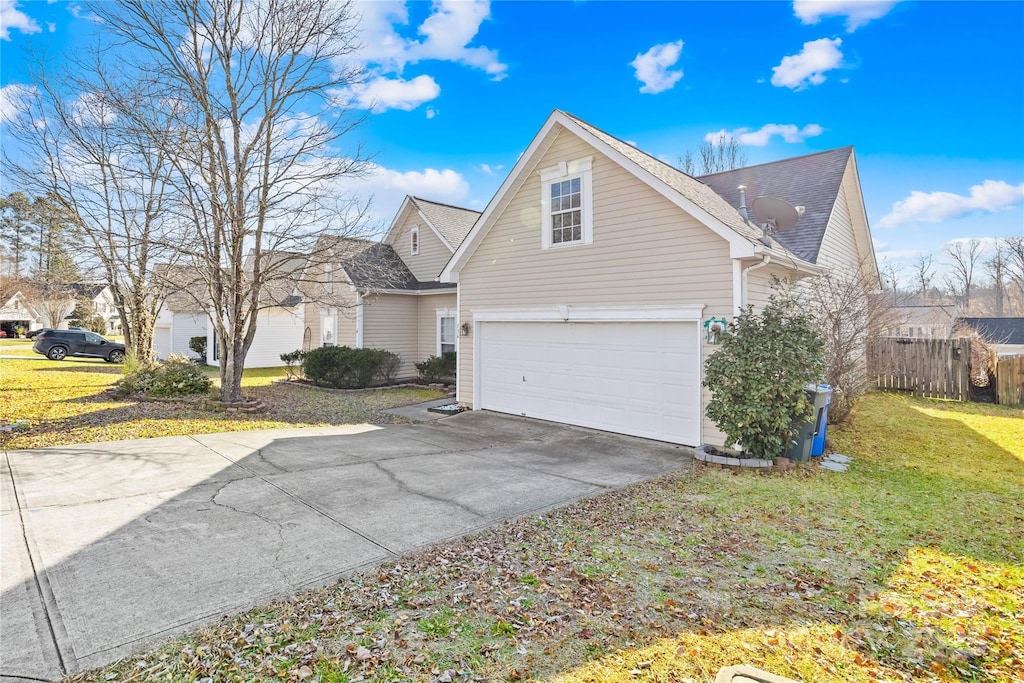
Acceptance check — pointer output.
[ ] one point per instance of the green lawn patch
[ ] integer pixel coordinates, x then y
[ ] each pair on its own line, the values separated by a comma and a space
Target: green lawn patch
906, 567
73, 402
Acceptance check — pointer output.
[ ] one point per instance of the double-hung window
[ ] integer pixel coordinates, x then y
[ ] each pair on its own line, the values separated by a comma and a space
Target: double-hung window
567, 204
445, 331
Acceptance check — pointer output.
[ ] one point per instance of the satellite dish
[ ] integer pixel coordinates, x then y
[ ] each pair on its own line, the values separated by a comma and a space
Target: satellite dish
776, 214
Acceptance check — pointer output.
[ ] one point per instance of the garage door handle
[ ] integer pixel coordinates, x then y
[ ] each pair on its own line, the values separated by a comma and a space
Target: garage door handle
524, 378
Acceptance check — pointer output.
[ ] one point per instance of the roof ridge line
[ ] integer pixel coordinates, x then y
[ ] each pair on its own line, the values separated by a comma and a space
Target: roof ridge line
450, 206
777, 161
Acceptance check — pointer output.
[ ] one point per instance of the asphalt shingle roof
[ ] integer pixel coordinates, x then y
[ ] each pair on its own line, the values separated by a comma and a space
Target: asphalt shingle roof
811, 181
375, 265
453, 222
997, 330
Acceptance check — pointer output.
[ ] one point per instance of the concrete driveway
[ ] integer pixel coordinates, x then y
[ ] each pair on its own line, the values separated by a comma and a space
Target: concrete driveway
107, 548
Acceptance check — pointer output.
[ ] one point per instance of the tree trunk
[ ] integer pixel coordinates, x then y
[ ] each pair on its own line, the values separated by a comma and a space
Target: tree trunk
232, 364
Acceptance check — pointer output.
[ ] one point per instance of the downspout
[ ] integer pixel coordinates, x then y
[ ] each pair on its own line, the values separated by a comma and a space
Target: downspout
765, 260
359, 319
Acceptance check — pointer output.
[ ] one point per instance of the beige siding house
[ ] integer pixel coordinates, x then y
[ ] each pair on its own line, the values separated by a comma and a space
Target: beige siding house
387, 294
586, 288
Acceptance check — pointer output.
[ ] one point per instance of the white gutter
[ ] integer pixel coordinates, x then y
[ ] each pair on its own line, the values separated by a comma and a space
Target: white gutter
765, 260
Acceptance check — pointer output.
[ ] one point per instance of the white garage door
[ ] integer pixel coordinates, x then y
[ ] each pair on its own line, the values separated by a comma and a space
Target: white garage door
639, 378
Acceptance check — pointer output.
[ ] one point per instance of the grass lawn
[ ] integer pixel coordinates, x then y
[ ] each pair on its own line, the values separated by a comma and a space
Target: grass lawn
906, 567
70, 402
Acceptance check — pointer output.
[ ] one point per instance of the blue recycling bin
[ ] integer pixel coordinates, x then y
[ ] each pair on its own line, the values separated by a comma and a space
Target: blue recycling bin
824, 392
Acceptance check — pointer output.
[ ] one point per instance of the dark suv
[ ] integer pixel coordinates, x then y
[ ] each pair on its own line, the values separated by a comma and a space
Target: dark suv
58, 344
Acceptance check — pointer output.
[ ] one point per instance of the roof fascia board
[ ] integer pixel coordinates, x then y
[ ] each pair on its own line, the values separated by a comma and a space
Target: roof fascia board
435, 230
862, 233
468, 246
739, 246
397, 219
406, 292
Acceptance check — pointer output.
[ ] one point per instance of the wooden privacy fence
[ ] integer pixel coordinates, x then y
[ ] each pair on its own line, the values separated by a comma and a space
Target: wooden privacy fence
931, 368
1010, 381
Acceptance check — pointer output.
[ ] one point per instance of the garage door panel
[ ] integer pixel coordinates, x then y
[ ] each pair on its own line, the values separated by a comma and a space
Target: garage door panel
636, 378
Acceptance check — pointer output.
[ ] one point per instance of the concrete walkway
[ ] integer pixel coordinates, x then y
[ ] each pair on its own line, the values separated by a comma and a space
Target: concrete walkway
109, 548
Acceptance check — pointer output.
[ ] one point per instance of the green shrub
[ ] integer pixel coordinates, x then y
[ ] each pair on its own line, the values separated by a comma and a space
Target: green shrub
388, 365
438, 368
343, 367
177, 376
198, 345
757, 377
293, 362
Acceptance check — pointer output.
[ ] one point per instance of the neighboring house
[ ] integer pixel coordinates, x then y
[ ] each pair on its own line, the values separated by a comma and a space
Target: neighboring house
922, 322
279, 326
386, 294
18, 312
102, 298
585, 285
1006, 335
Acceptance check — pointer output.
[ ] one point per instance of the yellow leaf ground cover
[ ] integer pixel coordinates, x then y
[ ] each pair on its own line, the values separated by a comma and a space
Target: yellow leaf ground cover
905, 568
72, 401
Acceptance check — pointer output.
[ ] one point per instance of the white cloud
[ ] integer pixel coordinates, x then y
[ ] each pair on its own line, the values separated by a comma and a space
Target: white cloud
653, 68
491, 170
762, 136
450, 29
432, 112
447, 33
381, 94
79, 12
932, 207
443, 184
878, 244
12, 17
809, 66
12, 100
857, 12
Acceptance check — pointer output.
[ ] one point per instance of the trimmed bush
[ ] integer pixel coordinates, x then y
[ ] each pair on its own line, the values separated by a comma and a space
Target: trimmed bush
198, 345
757, 377
438, 368
389, 365
293, 362
177, 376
342, 367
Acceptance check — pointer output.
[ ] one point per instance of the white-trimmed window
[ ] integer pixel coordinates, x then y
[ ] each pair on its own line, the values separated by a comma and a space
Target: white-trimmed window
446, 334
328, 330
414, 240
567, 204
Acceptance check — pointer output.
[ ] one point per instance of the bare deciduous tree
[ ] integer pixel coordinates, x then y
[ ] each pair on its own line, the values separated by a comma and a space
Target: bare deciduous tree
890, 273
849, 312
724, 154
963, 257
1015, 264
923, 276
102, 138
255, 171
996, 267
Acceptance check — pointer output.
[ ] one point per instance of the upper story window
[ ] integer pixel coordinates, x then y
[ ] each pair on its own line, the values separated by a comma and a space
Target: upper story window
414, 240
567, 204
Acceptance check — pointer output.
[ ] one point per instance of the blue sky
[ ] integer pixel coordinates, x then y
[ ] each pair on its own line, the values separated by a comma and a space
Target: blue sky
931, 94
